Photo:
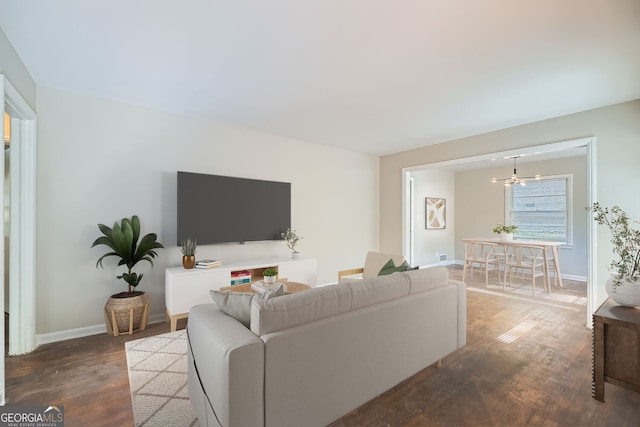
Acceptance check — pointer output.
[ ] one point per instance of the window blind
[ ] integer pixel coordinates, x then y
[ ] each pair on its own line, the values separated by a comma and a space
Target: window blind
540, 209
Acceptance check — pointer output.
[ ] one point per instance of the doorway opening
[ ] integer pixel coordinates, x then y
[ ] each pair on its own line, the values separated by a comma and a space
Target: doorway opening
452, 237
20, 219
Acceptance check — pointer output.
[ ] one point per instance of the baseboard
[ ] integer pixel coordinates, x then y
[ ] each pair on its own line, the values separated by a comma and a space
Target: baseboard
83, 332
443, 263
574, 277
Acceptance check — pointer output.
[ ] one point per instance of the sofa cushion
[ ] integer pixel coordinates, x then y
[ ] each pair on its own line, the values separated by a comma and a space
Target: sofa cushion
427, 278
238, 304
295, 309
377, 289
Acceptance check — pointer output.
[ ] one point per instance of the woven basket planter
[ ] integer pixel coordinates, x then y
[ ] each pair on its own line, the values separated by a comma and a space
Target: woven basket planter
126, 314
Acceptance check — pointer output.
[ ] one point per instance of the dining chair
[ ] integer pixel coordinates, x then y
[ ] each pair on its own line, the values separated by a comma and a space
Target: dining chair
527, 257
503, 253
482, 256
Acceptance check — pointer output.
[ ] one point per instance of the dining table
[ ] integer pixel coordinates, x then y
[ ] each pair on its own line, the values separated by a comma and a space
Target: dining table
550, 253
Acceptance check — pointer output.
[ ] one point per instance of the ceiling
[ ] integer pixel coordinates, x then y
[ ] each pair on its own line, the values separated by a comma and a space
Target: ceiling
372, 76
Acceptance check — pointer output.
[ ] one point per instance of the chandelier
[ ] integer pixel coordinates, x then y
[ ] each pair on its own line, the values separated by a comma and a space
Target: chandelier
514, 179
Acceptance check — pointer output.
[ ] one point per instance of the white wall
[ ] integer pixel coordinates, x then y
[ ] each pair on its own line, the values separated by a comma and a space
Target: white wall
481, 206
616, 129
99, 161
438, 184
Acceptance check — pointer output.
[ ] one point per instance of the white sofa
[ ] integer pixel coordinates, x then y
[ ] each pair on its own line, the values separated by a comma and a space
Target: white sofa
311, 357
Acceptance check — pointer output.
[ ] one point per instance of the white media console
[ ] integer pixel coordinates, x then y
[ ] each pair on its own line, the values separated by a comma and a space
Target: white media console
185, 288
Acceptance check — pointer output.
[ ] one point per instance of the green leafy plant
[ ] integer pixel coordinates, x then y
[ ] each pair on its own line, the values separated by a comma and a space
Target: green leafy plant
508, 229
625, 240
189, 247
292, 238
270, 272
122, 239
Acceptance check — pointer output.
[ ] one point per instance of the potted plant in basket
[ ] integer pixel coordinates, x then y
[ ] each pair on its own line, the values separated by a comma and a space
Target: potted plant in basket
292, 238
624, 284
189, 249
270, 276
505, 231
127, 312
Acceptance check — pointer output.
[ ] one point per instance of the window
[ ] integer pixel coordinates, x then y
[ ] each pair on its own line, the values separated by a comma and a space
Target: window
541, 209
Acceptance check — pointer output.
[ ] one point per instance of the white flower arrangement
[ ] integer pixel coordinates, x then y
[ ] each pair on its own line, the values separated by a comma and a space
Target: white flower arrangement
291, 237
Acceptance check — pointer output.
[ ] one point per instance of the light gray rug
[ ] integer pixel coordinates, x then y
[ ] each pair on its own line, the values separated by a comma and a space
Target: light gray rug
157, 369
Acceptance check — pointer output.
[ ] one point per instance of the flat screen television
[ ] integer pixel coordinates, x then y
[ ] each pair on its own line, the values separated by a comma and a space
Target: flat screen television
221, 209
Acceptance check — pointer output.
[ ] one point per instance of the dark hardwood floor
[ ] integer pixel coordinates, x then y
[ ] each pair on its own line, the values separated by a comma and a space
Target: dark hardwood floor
86, 375
525, 364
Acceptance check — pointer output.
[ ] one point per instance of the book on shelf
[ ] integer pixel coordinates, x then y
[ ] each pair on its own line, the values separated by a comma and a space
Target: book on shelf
206, 267
208, 263
240, 277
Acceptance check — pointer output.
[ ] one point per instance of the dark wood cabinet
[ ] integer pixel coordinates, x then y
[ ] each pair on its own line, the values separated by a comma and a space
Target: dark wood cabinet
616, 348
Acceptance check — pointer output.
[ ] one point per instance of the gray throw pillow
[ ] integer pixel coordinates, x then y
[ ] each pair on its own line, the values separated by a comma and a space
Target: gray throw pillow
235, 304
238, 304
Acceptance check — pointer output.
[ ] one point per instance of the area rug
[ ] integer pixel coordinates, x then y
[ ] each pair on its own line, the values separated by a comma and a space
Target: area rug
157, 369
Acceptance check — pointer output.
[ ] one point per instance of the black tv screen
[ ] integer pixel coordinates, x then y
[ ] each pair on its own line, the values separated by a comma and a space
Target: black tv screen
222, 209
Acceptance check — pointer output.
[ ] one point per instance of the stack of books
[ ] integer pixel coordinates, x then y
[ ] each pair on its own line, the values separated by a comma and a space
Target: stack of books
261, 287
208, 263
240, 277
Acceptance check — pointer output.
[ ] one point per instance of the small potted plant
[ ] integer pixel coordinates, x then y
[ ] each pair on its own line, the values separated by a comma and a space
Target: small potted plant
624, 284
292, 238
127, 312
270, 276
505, 231
189, 249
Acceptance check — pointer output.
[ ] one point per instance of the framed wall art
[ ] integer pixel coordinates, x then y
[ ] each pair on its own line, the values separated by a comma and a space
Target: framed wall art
436, 213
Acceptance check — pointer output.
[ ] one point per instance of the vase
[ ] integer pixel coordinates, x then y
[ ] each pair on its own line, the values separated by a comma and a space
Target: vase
506, 237
626, 293
188, 261
295, 255
268, 280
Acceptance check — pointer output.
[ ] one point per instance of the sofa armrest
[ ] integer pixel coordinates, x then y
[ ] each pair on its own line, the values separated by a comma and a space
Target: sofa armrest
228, 362
349, 272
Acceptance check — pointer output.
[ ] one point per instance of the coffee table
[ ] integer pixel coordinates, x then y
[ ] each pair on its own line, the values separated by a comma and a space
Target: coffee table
292, 287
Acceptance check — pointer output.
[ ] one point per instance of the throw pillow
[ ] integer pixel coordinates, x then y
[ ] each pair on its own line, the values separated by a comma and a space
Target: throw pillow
390, 267
235, 304
238, 304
